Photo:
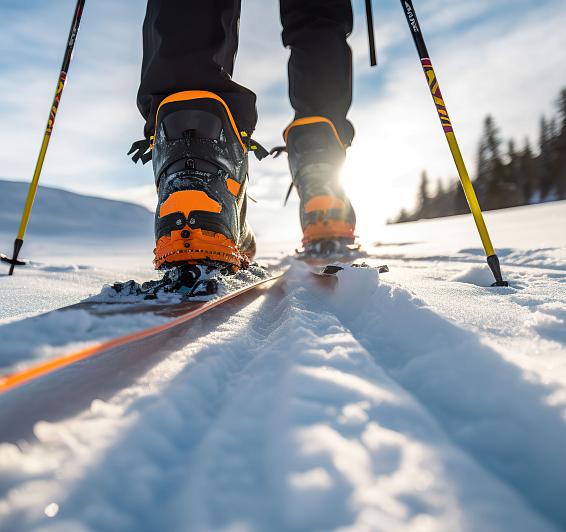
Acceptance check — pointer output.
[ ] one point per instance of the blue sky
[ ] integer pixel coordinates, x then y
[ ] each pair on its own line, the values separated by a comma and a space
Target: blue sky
507, 58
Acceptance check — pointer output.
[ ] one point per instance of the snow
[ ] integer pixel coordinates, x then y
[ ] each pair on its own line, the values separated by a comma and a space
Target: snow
419, 399
476, 275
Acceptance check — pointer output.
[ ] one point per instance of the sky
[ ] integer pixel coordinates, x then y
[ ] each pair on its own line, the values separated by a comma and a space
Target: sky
506, 58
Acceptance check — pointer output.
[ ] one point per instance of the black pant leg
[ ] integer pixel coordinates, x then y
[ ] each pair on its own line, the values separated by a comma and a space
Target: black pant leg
191, 45
320, 66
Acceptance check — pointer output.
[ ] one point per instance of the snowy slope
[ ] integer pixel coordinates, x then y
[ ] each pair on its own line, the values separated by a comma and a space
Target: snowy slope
75, 243
420, 400
65, 226
62, 213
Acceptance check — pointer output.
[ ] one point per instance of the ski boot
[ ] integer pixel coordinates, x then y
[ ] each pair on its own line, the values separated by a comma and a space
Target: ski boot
316, 155
201, 173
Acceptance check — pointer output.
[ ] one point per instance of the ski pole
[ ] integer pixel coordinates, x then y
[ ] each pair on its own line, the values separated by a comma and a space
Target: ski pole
492, 259
371, 34
18, 243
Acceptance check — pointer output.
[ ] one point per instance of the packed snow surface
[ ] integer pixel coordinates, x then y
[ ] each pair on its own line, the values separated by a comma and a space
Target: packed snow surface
419, 399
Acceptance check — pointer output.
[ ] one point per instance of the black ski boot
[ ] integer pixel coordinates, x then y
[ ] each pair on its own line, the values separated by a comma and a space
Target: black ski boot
201, 172
316, 155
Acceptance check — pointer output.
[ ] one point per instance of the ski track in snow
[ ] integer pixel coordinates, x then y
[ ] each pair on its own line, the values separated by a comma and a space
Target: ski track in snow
362, 409
509, 423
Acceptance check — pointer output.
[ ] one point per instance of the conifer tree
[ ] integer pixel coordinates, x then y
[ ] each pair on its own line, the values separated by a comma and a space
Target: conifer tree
459, 201
491, 170
560, 147
424, 203
528, 172
513, 189
505, 180
403, 217
545, 160
438, 205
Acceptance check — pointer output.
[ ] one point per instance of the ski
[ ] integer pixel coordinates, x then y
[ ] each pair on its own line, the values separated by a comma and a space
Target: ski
180, 306
325, 262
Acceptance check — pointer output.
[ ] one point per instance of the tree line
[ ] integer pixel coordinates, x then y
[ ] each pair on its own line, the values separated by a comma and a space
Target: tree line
506, 176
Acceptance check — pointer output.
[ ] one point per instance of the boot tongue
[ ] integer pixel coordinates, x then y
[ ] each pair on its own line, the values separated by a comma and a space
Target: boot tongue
194, 122
305, 142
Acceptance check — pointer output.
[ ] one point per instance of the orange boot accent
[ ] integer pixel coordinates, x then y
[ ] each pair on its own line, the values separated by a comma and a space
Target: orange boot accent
313, 120
200, 245
324, 203
186, 201
327, 230
184, 96
233, 186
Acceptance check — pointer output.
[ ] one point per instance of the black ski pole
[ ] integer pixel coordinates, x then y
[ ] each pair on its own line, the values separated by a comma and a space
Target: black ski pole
18, 243
492, 260
371, 34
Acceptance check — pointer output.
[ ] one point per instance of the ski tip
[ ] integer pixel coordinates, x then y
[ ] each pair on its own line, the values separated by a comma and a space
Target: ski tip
333, 269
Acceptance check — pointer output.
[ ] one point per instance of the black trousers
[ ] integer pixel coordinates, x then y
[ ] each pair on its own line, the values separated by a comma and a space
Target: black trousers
192, 44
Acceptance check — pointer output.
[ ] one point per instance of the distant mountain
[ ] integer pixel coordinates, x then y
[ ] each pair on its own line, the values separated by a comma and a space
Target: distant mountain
60, 213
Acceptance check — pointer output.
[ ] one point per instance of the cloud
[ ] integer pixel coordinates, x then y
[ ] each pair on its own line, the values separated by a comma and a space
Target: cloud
97, 119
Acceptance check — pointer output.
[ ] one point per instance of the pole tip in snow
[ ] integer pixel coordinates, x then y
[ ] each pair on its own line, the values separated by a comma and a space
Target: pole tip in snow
13, 262
494, 266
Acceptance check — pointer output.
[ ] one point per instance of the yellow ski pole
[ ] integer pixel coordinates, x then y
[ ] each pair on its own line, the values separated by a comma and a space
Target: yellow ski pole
18, 243
492, 259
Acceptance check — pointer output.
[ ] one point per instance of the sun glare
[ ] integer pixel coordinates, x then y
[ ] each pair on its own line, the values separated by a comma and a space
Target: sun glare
371, 188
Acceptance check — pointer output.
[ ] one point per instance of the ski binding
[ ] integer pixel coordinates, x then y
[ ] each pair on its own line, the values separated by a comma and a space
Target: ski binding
187, 280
